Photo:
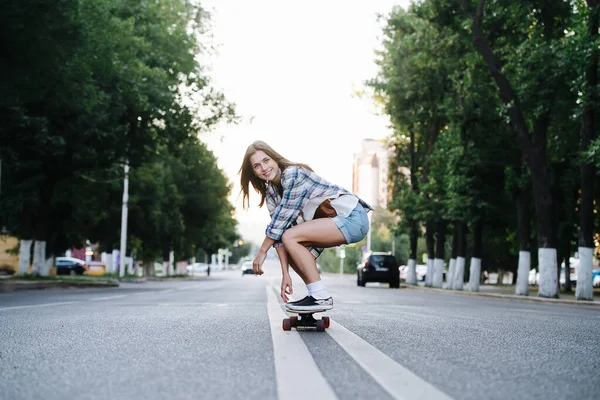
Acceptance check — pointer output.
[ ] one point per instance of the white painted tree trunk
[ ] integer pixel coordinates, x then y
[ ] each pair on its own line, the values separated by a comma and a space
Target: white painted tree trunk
114, 258
584, 289
438, 273
429, 274
548, 273
459, 273
171, 263
522, 288
39, 258
450, 277
475, 274
166, 268
49, 264
24, 256
411, 273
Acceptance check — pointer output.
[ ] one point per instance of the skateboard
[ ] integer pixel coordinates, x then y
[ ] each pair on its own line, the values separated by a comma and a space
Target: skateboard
305, 320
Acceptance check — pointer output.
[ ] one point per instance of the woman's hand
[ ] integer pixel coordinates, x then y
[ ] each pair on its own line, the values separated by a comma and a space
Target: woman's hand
286, 287
258, 262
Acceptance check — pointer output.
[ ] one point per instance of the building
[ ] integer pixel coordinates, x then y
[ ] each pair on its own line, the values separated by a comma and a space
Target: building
370, 172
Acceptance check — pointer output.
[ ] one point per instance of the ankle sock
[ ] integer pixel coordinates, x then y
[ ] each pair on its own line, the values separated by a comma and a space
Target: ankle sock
317, 290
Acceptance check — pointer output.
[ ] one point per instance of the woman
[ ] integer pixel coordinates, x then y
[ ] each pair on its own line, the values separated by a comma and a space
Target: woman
307, 214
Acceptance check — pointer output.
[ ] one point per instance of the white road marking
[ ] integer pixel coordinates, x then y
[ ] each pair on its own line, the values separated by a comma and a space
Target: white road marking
298, 376
352, 302
398, 381
108, 297
38, 305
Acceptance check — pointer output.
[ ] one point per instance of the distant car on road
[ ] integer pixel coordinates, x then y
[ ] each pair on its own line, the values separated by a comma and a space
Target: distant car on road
247, 268
378, 267
70, 266
198, 268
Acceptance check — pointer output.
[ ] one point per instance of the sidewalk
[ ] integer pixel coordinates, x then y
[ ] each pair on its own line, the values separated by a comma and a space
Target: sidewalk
9, 284
508, 292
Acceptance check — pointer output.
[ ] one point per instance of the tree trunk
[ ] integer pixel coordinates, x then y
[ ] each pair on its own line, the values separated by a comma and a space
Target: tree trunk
584, 289
475, 267
165, 257
438, 273
452, 267
461, 253
39, 259
535, 150
524, 218
430, 242
567, 256
411, 273
24, 256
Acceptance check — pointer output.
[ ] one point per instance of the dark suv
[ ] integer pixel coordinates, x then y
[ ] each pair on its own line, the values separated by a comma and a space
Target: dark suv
378, 267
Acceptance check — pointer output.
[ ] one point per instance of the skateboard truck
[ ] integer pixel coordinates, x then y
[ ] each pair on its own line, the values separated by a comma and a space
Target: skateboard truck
305, 321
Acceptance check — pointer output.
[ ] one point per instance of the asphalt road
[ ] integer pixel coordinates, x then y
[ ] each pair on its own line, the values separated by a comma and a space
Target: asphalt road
220, 337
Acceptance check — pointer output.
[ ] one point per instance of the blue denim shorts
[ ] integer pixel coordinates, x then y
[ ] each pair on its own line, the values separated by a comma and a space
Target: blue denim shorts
355, 226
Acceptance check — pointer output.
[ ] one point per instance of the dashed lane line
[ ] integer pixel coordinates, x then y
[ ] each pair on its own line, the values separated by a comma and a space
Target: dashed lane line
397, 380
297, 374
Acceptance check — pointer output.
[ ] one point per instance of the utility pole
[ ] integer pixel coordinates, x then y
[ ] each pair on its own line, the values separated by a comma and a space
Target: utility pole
123, 249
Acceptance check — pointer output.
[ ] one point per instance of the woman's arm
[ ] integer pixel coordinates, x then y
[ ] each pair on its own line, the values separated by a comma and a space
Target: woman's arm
283, 260
262, 254
286, 279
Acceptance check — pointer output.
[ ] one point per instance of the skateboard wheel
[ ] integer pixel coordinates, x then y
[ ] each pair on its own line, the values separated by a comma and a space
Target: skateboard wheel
294, 320
320, 325
287, 324
326, 322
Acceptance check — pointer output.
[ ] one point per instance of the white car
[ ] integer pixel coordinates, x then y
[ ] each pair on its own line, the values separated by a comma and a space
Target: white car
420, 269
534, 276
247, 268
198, 268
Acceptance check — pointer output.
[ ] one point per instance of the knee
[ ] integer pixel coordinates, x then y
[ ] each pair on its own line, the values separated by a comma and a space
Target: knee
288, 237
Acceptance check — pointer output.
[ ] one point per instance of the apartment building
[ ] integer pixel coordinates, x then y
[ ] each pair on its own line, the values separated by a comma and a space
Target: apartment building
370, 172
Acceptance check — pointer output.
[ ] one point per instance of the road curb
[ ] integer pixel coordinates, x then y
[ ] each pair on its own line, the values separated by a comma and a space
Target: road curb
13, 286
505, 296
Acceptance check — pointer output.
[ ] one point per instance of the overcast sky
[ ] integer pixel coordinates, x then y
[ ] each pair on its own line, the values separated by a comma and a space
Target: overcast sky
293, 69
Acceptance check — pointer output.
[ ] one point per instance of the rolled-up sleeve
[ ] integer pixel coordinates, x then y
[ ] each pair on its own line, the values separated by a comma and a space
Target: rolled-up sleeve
271, 206
291, 203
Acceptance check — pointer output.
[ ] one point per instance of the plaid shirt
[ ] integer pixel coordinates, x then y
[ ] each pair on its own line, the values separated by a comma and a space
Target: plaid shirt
299, 186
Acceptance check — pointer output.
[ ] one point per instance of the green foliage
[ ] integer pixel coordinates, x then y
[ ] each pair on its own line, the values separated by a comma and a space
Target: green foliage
89, 85
448, 118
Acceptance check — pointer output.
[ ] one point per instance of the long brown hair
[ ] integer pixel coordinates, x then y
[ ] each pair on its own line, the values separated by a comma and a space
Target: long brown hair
247, 175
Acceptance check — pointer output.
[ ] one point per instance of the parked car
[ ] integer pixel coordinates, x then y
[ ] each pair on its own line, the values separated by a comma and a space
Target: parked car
247, 268
534, 276
378, 267
596, 278
420, 269
198, 268
70, 266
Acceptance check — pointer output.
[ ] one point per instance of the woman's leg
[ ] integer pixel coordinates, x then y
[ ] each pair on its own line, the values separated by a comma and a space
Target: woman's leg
321, 232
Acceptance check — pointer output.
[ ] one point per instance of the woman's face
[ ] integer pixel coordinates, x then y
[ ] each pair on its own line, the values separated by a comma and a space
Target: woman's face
264, 166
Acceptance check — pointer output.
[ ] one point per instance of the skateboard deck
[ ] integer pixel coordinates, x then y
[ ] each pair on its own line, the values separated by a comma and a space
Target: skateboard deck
305, 321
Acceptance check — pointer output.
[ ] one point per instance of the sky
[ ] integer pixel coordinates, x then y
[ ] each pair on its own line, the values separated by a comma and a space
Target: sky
293, 70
